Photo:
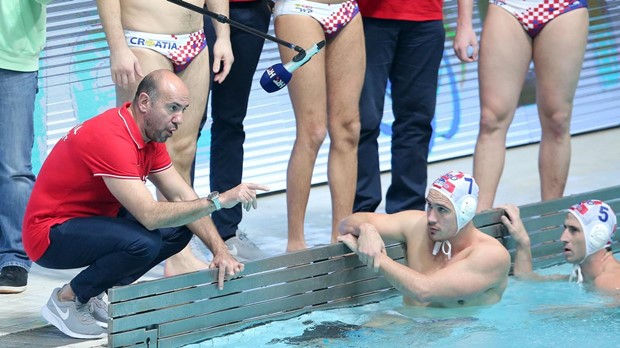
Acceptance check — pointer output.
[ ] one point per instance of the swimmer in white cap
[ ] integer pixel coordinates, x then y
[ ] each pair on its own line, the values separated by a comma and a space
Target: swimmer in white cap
450, 263
588, 232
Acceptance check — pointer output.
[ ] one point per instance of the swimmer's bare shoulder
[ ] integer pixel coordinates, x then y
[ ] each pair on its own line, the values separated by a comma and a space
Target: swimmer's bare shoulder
493, 255
160, 16
609, 280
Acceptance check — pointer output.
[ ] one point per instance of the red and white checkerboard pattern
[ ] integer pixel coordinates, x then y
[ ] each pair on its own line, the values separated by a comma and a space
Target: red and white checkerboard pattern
340, 18
184, 53
534, 18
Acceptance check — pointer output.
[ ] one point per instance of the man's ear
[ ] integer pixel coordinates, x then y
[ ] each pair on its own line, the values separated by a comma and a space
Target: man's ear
143, 101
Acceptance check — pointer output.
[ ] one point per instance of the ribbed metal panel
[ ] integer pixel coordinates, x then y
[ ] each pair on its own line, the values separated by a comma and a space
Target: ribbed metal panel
76, 85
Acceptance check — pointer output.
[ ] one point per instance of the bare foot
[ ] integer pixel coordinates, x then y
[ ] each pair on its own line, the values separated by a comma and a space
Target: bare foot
183, 262
292, 247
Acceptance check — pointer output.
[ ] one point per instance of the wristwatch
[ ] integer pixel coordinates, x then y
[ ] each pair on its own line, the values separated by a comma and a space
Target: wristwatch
215, 198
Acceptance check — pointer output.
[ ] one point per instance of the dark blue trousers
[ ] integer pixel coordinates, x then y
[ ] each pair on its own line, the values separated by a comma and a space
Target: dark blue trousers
229, 104
408, 54
115, 251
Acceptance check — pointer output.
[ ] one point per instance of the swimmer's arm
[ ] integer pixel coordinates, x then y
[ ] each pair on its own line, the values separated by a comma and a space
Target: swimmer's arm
391, 226
124, 66
522, 268
110, 15
364, 233
523, 254
460, 280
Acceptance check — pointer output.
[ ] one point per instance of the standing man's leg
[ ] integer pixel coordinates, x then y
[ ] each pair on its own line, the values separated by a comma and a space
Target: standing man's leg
380, 36
229, 104
505, 55
182, 146
558, 57
17, 96
344, 68
307, 90
414, 77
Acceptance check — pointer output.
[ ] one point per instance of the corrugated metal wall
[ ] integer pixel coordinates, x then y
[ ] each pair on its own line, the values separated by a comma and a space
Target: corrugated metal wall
76, 85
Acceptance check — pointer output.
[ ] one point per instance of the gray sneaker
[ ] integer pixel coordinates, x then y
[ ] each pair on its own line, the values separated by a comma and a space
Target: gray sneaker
243, 249
71, 317
99, 310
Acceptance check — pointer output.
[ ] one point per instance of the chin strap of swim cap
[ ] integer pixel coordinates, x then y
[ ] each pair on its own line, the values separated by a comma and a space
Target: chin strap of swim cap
443, 246
576, 274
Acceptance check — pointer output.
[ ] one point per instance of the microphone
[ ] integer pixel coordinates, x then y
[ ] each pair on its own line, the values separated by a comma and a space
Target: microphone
278, 75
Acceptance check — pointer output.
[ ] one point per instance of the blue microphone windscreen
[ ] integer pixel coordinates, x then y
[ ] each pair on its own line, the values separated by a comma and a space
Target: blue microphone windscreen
275, 78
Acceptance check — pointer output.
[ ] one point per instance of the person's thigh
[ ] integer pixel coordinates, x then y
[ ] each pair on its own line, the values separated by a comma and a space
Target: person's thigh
345, 68
149, 62
415, 70
558, 57
505, 55
195, 78
307, 86
381, 37
79, 242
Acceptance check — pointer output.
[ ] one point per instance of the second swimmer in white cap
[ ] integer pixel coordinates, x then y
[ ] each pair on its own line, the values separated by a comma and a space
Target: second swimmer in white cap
450, 263
588, 232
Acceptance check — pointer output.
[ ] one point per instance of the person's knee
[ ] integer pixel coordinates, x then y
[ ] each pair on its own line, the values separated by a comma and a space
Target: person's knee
369, 123
493, 121
346, 132
556, 125
312, 136
146, 248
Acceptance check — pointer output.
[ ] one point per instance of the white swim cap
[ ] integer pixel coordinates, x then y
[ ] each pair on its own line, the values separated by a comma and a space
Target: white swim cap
598, 222
462, 191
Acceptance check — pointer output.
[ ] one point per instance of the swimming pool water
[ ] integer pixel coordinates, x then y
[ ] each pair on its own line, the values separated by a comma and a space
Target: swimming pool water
530, 314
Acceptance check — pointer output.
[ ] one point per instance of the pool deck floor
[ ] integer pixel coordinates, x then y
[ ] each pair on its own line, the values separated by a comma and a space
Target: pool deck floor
592, 167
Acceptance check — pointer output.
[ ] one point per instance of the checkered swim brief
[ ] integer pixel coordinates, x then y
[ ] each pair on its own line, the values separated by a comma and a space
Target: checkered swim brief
535, 14
180, 49
332, 17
